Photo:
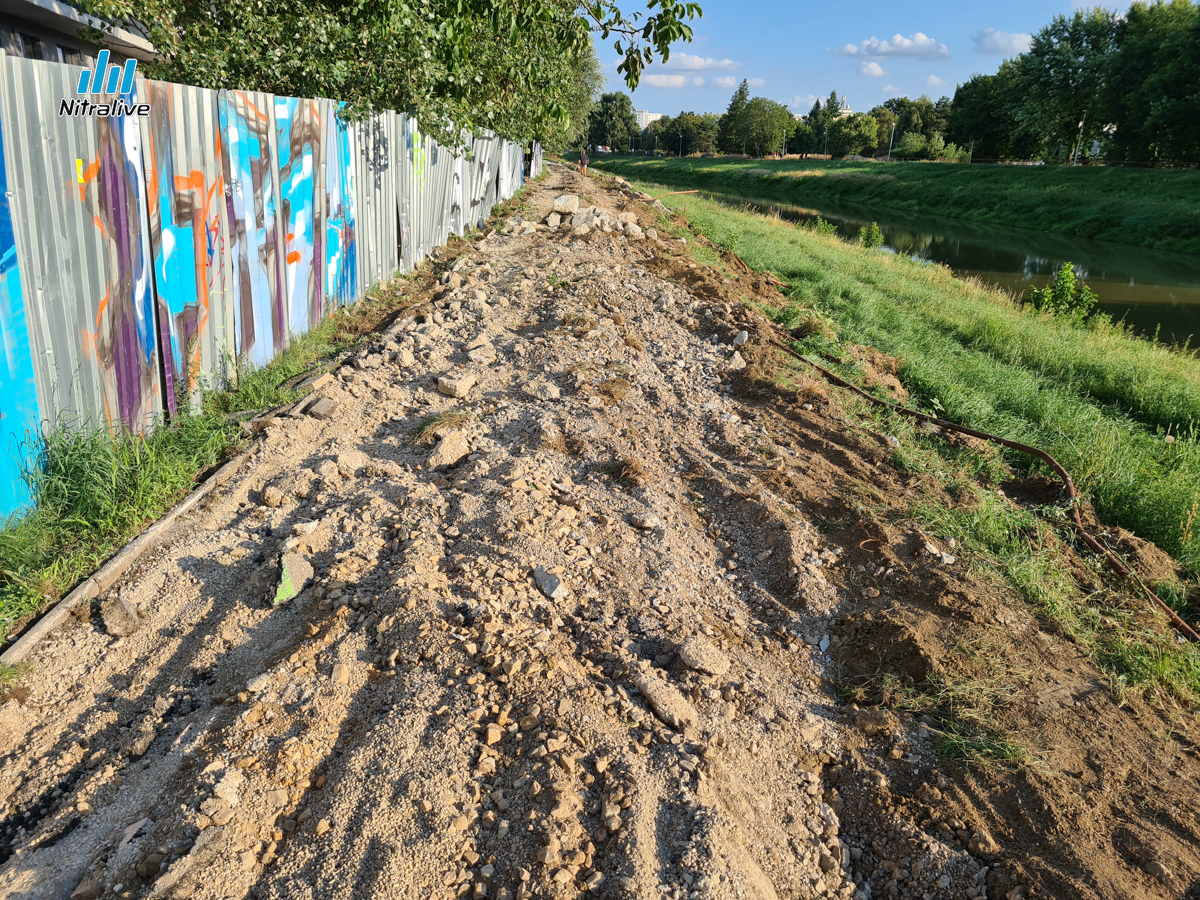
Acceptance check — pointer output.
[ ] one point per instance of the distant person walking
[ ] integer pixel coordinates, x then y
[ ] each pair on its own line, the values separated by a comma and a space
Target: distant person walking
583, 160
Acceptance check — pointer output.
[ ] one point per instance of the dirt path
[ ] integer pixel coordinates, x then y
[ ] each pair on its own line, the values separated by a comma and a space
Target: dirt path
576, 642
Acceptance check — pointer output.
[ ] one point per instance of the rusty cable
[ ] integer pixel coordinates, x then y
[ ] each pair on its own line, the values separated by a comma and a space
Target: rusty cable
1073, 499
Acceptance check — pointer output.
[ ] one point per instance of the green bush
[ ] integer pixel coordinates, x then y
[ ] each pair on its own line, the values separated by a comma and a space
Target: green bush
870, 236
1064, 296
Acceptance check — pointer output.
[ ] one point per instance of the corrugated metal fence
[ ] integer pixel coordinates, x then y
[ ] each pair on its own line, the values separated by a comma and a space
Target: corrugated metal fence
140, 256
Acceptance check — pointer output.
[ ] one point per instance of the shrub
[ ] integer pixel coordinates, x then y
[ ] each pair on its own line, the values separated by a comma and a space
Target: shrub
1064, 296
870, 236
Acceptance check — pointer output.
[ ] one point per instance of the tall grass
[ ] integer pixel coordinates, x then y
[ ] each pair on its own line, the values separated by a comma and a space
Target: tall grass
1145, 207
1099, 399
94, 490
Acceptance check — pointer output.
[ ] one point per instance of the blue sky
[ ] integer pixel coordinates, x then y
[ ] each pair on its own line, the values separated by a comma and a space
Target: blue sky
868, 50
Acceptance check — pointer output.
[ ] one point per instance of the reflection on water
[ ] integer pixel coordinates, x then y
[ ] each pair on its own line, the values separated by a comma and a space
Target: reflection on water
1149, 290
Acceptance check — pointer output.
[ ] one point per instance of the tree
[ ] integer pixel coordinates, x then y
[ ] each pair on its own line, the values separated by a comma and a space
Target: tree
767, 125
1063, 75
911, 145
986, 112
613, 122
453, 63
803, 139
1150, 84
583, 90
850, 134
885, 121
706, 133
731, 134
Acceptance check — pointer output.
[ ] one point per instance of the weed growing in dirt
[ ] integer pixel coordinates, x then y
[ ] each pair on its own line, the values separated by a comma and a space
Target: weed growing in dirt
956, 710
427, 430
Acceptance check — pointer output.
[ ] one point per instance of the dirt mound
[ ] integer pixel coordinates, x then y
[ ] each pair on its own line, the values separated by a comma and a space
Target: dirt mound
557, 597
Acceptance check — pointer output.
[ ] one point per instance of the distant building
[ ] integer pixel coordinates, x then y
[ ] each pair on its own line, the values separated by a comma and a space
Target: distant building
644, 118
49, 30
844, 109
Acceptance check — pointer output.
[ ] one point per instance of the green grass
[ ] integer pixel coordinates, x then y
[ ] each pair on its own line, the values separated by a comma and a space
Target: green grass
95, 491
1097, 398
1144, 207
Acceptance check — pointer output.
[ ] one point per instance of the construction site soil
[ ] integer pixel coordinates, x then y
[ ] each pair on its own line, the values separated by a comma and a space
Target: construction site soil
581, 602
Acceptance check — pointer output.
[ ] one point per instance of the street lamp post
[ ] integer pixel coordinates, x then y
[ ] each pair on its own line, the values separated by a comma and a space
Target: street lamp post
890, 139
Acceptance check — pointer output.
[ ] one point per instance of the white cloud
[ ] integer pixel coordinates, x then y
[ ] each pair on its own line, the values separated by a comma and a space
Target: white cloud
725, 81
756, 82
1000, 43
666, 81
932, 81
658, 79
918, 45
871, 70
889, 88
803, 104
700, 63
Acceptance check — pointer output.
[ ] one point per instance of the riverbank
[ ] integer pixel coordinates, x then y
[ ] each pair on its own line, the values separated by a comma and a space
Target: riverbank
1145, 207
1121, 413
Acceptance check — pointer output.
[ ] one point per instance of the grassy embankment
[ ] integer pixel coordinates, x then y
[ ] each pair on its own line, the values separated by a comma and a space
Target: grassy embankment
94, 493
1145, 207
1098, 399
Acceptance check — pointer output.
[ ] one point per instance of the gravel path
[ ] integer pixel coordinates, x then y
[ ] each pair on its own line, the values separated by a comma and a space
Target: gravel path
554, 632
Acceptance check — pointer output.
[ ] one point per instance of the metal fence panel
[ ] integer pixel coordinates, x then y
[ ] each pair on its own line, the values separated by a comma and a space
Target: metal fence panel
138, 256
339, 213
249, 166
18, 388
298, 138
189, 237
85, 265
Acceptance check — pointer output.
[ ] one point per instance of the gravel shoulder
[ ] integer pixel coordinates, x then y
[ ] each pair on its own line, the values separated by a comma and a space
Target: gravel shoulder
536, 598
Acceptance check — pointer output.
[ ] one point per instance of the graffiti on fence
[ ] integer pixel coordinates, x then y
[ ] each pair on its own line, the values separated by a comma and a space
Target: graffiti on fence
139, 255
18, 400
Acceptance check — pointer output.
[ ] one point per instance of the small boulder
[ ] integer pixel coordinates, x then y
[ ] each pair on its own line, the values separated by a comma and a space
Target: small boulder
295, 574
697, 653
455, 385
323, 409
737, 362
543, 391
549, 584
120, 617
554, 220
450, 449
666, 701
566, 204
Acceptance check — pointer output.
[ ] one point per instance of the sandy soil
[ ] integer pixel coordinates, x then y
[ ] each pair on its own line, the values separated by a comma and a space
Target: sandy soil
584, 635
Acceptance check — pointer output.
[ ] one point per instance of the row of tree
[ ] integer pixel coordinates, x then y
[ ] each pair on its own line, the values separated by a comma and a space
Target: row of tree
756, 126
1128, 81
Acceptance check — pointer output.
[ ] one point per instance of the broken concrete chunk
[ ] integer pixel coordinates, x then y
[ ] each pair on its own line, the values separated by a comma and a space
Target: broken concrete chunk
316, 382
554, 220
566, 204
482, 355
737, 362
455, 385
646, 522
666, 701
741, 338
549, 584
697, 653
120, 616
450, 449
543, 391
295, 573
323, 409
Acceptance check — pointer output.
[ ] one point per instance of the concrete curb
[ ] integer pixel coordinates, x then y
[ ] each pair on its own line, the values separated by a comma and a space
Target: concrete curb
106, 575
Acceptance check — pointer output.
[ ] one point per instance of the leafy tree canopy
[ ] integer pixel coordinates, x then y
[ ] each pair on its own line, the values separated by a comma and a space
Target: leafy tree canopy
613, 122
507, 65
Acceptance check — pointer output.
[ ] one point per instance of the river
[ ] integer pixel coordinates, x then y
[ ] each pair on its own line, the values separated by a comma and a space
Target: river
1154, 292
